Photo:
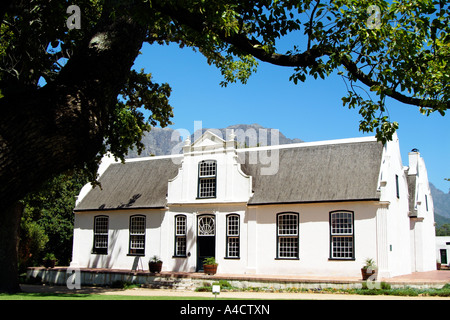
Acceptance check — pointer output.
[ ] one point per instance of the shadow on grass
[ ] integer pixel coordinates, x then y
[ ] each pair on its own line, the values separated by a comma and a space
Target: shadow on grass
87, 296
43, 296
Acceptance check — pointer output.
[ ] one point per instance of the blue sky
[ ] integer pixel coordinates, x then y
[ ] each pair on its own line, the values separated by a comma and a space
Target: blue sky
311, 111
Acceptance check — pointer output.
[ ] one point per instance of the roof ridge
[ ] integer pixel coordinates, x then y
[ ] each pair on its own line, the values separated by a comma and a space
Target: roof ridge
166, 156
311, 144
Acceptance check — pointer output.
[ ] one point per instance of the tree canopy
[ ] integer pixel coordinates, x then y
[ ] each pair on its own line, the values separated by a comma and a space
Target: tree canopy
398, 50
68, 94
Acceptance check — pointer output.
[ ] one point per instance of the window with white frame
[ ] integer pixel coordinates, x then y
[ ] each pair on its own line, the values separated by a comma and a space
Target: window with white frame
233, 236
341, 235
180, 236
287, 236
207, 173
137, 235
100, 235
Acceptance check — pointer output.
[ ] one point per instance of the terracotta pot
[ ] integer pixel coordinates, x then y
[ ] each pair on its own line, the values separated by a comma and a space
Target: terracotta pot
367, 273
155, 267
210, 268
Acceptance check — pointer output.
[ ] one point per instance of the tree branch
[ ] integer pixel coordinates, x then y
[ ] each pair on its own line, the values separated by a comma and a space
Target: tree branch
361, 76
241, 41
311, 23
306, 59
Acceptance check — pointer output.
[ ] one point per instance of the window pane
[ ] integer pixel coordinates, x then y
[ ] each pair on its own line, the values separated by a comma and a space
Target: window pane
207, 169
341, 223
288, 247
137, 242
137, 225
287, 224
233, 225
101, 241
233, 247
101, 225
180, 246
207, 188
342, 247
180, 226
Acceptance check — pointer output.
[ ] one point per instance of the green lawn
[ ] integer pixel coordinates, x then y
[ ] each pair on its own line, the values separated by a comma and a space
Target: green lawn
385, 290
75, 296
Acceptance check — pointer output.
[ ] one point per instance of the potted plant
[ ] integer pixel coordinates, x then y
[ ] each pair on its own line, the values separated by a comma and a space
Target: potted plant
210, 265
438, 265
369, 270
155, 264
50, 260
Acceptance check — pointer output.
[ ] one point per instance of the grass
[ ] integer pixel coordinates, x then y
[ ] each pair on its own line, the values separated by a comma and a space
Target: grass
85, 297
384, 289
410, 292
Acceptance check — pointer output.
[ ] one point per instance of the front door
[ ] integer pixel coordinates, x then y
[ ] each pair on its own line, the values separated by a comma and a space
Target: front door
443, 256
206, 239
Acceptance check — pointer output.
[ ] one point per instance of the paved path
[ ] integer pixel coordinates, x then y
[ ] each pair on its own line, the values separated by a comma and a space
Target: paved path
266, 295
236, 295
436, 277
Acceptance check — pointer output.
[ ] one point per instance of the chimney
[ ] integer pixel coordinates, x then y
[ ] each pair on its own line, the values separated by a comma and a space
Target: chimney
413, 158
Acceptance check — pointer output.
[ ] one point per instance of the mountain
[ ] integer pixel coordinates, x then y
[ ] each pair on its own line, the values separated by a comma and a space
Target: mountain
165, 141
157, 142
441, 203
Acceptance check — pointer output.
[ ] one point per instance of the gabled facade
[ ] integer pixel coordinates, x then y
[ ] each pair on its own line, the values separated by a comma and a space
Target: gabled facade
311, 208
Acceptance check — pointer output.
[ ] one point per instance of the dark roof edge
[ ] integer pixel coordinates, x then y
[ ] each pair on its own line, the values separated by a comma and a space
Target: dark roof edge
117, 209
248, 204
316, 201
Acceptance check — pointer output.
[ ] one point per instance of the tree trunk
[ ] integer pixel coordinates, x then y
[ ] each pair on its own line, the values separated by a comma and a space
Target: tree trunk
62, 125
50, 130
9, 239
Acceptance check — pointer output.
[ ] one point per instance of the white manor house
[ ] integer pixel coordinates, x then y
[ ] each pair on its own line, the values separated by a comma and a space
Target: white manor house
318, 208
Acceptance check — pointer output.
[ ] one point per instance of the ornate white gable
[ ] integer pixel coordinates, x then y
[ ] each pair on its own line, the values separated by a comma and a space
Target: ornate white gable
208, 142
231, 183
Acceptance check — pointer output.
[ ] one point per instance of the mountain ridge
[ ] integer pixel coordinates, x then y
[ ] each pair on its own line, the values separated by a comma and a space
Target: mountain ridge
166, 141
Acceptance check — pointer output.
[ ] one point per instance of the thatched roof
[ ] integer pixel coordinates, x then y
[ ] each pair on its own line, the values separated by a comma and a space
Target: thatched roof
137, 184
306, 173
322, 173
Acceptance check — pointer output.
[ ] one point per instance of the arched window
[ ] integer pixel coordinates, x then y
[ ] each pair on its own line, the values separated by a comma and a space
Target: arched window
137, 235
180, 235
100, 235
287, 235
233, 236
342, 240
207, 173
